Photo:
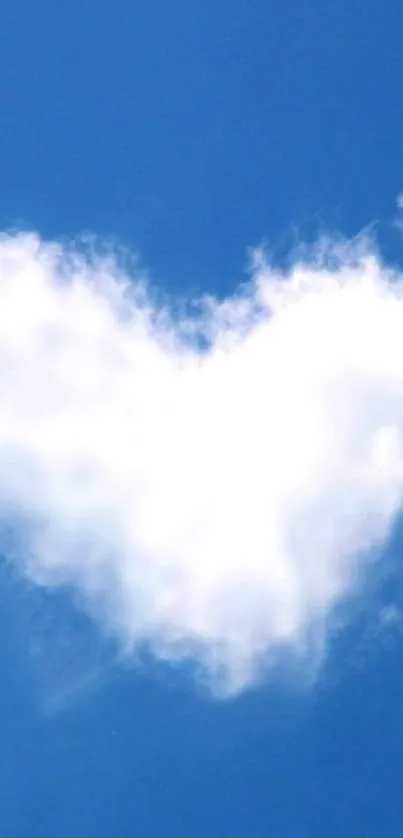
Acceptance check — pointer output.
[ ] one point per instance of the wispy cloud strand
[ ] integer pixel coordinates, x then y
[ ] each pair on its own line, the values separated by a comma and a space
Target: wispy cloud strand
216, 503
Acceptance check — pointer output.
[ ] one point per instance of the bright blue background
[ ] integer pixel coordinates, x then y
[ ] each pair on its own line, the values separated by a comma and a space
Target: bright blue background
190, 131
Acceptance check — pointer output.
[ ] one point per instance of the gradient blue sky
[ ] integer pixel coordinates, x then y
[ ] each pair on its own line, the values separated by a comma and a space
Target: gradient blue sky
190, 132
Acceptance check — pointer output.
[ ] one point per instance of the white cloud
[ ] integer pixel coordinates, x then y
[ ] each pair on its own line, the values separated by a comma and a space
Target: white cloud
214, 504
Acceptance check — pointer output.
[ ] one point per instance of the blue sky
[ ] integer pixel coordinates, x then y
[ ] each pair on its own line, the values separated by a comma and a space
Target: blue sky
189, 133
